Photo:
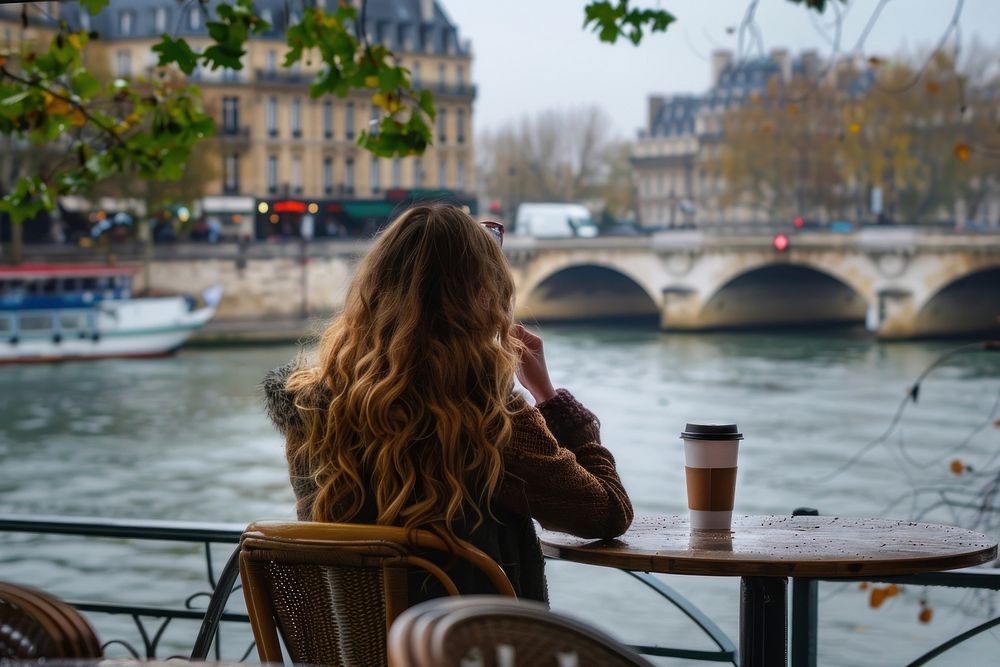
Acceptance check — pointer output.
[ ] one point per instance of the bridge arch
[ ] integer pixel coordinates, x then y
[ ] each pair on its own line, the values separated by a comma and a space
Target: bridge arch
587, 290
784, 294
968, 304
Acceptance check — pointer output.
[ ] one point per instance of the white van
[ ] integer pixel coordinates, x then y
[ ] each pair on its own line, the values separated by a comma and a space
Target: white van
554, 221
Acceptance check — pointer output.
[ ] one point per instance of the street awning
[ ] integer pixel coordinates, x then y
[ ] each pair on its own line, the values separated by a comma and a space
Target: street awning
369, 209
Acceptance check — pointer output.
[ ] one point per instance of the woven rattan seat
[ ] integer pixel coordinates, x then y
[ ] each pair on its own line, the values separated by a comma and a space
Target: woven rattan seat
490, 631
35, 625
331, 591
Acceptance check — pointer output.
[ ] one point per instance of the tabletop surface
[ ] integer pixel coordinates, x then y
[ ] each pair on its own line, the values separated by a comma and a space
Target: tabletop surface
804, 546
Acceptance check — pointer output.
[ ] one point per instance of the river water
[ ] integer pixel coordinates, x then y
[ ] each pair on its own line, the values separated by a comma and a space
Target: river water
184, 438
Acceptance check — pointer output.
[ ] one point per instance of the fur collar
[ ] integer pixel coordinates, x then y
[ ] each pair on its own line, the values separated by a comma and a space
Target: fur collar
279, 403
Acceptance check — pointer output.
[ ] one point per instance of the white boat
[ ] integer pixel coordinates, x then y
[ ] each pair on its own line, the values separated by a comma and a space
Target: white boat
57, 312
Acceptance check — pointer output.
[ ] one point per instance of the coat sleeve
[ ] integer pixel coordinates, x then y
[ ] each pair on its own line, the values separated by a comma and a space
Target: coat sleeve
557, 470
279, 405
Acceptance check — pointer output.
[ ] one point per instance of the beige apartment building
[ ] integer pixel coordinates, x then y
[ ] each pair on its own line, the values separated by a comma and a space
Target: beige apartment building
673, 156
281, 153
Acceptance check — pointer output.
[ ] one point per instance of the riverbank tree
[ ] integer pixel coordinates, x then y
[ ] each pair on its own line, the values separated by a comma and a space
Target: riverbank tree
918, 132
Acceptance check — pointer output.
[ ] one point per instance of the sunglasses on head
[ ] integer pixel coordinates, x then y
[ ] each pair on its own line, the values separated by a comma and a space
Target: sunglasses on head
495, 229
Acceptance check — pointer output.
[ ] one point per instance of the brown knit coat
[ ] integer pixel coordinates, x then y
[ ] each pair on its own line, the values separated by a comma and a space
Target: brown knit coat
556, 471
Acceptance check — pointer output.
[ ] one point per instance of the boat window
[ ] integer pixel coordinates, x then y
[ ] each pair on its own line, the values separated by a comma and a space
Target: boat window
34, 287
88, 284
72, 322
36, 323
70, 285
50, 286
6, 325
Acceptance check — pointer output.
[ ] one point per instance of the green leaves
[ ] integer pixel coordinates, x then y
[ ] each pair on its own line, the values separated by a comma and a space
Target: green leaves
177, 52
94, 6
818, 5
350, 65
611, 20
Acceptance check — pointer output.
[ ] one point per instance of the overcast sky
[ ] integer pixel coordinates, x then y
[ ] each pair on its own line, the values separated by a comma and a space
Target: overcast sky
531, 55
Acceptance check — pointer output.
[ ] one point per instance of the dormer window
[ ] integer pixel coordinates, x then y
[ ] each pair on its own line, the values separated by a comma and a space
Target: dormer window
194, 17
160, 19
126, 20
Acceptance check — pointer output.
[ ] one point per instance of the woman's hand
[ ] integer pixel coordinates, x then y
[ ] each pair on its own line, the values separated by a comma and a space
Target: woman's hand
532, 372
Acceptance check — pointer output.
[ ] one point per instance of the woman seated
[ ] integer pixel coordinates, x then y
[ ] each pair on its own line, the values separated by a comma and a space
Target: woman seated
409, 416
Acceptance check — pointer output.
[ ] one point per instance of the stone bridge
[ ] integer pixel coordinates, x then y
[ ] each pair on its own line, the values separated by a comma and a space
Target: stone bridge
900, 282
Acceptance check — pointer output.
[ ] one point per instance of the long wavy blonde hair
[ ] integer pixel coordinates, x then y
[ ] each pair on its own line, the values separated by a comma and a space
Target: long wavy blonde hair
416, 378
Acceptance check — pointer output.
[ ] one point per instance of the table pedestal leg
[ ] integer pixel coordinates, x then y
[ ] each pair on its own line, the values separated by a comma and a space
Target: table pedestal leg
763, 621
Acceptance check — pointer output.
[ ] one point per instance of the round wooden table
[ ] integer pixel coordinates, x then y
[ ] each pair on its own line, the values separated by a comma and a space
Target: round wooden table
765, 550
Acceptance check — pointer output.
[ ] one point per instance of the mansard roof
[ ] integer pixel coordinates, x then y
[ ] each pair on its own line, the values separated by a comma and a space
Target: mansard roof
397, 23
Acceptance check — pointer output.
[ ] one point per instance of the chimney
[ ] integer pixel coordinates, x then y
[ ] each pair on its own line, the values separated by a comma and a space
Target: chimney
721, 59
784, 63
810, 62
656, 103
427, 11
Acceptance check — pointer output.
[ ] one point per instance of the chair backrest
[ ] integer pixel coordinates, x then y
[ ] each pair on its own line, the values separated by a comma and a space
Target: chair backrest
35, 624
490, 631
332, 590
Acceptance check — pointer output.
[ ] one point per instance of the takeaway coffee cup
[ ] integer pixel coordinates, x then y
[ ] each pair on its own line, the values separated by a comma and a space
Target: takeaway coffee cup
710, 452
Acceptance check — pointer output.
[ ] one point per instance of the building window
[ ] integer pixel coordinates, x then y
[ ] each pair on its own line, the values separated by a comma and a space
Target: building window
441, 76
460, 175
272, 173
126, 20
376, 175
296, 117
230, 114
397, 173
416, 75
232, 171
460, 126
418, 173
271, 62
442, 172
160, 19
123, 63
267, 15
297, 175
328, 119
328, 175
460, 75
194, 17
272, 116
349, 120
349, 176
373, 120
442, 125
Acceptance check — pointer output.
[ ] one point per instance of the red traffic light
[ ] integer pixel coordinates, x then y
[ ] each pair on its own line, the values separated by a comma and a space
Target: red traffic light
799, 222
780, 242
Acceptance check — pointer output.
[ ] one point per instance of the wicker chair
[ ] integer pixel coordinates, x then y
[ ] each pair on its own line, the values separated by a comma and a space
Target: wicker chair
34, 625
332, 590
489, 631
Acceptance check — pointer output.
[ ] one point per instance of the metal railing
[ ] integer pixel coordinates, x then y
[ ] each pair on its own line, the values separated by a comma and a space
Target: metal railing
221, 581
151, 621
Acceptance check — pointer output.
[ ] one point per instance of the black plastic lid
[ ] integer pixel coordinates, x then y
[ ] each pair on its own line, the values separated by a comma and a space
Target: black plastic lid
712, 432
